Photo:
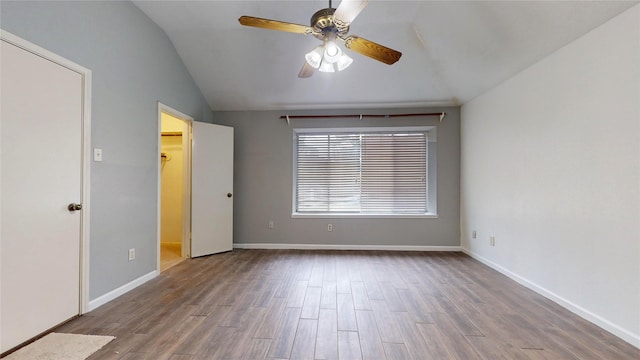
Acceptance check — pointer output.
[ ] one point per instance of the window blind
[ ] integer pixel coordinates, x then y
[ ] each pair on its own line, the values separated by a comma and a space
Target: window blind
362, 173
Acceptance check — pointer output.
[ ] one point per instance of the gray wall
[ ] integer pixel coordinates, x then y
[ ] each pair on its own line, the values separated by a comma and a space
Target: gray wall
551, 170
263, 184
134, 66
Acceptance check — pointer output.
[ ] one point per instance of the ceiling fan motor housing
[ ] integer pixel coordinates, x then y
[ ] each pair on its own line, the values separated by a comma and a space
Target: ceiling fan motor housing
325, 27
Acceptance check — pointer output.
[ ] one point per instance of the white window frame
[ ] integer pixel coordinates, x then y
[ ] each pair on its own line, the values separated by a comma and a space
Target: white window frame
431, 173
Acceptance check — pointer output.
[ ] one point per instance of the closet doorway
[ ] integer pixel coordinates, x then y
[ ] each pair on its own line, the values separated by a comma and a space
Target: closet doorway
175, 183
195, 188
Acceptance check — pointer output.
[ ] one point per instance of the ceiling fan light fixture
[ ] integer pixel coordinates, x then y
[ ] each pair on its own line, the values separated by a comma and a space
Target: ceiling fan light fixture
344, 61
332, 52
332, 48
314, 57
326, 67
329, 25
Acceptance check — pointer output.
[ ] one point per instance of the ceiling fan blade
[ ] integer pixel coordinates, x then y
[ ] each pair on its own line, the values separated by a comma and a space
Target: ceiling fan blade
306, 71
372, 50
348, 10
274, 25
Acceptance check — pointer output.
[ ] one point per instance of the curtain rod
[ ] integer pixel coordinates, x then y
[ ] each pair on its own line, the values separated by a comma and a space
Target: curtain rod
361, 116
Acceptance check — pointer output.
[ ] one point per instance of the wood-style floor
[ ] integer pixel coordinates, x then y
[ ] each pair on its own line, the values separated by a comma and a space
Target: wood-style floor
170, 255
285, 304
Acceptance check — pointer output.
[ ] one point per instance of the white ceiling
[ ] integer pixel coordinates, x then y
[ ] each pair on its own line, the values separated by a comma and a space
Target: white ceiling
452, 51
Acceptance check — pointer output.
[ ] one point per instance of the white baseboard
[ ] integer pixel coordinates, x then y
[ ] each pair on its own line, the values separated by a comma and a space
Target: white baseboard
344, 247
99, 301
626, 335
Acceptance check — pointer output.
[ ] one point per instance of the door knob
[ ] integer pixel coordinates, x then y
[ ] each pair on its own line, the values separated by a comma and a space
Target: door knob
229, 195
73, 207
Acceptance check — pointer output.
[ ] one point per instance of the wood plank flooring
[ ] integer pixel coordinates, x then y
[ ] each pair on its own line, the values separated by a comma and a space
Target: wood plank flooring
170, 255
286, 304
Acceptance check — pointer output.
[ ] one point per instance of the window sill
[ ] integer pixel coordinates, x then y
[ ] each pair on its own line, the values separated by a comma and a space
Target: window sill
364, 216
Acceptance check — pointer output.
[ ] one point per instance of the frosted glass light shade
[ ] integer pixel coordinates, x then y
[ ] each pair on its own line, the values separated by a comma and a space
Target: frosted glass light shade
328, 58
326, 67
314, 57
343, 62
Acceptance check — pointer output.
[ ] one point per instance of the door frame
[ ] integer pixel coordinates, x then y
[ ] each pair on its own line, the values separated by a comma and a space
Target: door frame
86, 152
186, 178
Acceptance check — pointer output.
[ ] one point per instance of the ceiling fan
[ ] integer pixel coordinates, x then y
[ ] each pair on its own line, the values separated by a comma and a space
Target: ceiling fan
330, 25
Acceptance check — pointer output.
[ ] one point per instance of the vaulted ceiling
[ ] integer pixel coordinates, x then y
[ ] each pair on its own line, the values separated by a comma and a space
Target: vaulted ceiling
452, 51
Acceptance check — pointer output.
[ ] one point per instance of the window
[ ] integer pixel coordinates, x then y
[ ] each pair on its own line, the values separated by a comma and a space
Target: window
369, 172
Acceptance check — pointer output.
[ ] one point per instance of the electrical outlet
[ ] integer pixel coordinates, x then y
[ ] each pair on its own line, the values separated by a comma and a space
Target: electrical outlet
492, 240
474, 234
132, 254
330, 227
270, 224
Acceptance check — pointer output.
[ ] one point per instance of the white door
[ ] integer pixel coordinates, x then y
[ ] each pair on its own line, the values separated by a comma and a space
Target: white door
211, 189
41, 174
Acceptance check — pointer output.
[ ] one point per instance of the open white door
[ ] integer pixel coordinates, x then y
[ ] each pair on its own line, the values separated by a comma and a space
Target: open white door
211, 189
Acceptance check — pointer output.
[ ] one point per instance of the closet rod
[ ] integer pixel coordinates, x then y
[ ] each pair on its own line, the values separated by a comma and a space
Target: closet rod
360, 116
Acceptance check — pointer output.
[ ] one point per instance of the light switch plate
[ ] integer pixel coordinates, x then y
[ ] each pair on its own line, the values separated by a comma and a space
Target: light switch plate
97, 154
